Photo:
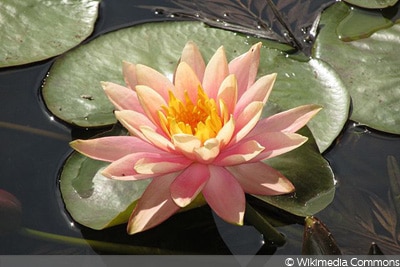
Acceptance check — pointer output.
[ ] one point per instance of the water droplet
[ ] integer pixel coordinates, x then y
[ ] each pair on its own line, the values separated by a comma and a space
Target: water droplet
159, 11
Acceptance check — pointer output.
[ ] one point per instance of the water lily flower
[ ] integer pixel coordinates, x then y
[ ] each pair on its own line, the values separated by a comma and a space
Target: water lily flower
201, 133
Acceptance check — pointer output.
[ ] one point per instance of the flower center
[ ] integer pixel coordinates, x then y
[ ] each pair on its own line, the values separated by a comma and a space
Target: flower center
200, 119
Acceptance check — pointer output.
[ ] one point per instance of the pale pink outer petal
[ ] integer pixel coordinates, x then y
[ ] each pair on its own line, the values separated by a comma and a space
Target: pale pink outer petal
239, 153
151, 102
277, 143
155, 80
260, 179
245, 68
216, 71
112, 148
189, 183
122, 97
259, 91
185, 79
246, 121
192, 56
133, 120
161, 165
288, 121
129, 73
228, 93
225, 195
123, 168
155, 206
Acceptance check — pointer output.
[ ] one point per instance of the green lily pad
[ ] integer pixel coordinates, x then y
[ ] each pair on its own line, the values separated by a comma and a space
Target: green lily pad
369, 68
27, 35
94, 200
361, 23
73, 93
311, 176
372, 3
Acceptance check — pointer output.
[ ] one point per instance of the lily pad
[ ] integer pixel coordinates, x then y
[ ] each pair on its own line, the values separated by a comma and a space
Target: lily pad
94, 200
27, 35
72, 91
311, 176
372, 3
369, 68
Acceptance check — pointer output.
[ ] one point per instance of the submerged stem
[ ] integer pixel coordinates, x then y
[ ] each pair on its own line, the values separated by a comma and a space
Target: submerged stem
100, 245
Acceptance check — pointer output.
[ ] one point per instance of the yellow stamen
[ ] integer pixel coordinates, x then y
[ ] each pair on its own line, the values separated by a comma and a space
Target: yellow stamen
200, 119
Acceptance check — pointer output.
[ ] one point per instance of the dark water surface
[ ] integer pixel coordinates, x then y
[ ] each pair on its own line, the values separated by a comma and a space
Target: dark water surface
34, 146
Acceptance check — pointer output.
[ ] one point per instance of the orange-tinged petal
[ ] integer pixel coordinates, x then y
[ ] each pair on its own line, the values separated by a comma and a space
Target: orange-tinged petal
259, 91
185, 79
157, 165
216, 71
121, 97
239, 153
228, 93
245, 68
225, 195
260, 179
189, 183
129, 73
155, 206
246, 120
192, 56
151, 102
111, 148
150, 77
277, 143
288, 121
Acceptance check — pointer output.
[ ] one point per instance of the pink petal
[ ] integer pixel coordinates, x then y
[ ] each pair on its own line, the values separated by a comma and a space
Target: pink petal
259, 91
186, 144
122, 97
208, 152
224, 195
151, 102
133, 120
228, 93
153, 79
158, 140
239, 153
277, 143
192, 56
224, 135
289, 121
216, 71
157, 165
245, 68
260, 179
189, 183
111, 148
123, 168
246, 121
185, 79
154, 207
129, 72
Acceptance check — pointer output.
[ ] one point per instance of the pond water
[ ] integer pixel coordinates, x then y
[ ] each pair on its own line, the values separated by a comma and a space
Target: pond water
35, 145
